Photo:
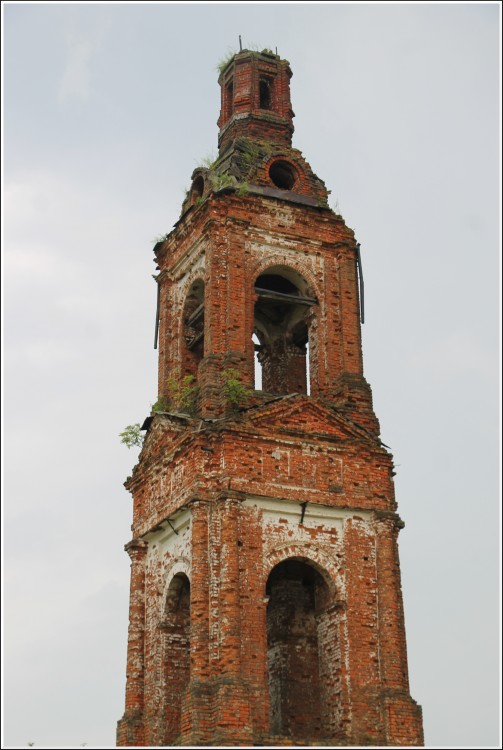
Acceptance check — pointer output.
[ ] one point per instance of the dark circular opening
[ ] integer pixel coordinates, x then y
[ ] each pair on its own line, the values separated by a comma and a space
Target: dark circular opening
283, 175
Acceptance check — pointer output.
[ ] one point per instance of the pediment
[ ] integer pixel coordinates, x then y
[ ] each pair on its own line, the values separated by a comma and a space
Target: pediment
303, 415
163, 430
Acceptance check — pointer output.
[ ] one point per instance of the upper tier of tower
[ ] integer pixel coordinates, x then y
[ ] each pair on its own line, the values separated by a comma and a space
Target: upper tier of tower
255, 152
255, 99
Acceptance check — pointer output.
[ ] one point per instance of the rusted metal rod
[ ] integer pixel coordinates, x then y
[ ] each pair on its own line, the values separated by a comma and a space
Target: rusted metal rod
360, 278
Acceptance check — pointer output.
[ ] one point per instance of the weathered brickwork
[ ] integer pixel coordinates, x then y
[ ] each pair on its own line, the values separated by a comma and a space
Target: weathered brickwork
266, 602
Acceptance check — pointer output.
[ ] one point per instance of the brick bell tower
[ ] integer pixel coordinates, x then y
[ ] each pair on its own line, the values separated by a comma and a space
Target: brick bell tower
266, 603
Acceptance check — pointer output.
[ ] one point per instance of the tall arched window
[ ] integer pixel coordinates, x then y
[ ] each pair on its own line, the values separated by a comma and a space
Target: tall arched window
282, 330
265, 85
303, 671
176, 654
193, 329
229, 100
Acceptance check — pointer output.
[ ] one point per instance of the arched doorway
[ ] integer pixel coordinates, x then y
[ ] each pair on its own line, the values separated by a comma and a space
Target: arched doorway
302, 654
281, 328
176, 653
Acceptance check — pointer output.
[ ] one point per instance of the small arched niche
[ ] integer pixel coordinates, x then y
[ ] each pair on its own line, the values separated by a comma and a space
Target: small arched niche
197, 189
176, 653
300, 648
229, 99
193, 329
281, 328
265, 98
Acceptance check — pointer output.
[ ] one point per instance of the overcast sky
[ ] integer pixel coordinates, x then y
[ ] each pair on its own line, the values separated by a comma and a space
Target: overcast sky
107, 111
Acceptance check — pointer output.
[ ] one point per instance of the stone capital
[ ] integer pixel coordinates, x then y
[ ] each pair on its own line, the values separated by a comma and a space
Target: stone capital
136, 548
387, 519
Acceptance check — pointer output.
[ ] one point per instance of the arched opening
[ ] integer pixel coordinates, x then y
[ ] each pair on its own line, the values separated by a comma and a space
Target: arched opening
301, 652
197, 189
265, 93
229, 100
281, 327
176, 654
193, 329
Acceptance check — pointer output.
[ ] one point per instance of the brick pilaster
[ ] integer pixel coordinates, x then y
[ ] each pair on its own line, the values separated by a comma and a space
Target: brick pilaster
362, 634
130, 729
197, 724
232, 701
402, 716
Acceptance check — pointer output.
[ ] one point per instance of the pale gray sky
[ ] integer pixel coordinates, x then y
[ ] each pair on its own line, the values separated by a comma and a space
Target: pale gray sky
107, 110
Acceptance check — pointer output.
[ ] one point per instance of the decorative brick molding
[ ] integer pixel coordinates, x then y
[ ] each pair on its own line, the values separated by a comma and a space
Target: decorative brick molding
265, 605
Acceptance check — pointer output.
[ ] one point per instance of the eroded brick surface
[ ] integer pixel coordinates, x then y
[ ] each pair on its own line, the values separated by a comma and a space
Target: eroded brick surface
266, 601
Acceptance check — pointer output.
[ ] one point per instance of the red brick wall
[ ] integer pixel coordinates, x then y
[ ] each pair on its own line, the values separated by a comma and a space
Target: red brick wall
235, 542
228, 242
243, 115
265, 603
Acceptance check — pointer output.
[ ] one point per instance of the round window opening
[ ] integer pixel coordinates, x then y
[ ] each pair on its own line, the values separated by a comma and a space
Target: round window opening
283, 175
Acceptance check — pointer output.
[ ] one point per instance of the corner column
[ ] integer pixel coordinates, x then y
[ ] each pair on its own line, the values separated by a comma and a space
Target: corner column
402, 715
348, 385
233, 721
197, 724
130, 729
362, 634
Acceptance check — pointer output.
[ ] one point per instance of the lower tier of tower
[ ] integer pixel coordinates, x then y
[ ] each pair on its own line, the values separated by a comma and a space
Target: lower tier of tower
259, 621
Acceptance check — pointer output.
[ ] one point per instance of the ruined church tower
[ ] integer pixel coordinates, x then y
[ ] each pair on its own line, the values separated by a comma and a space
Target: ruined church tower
265, 604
